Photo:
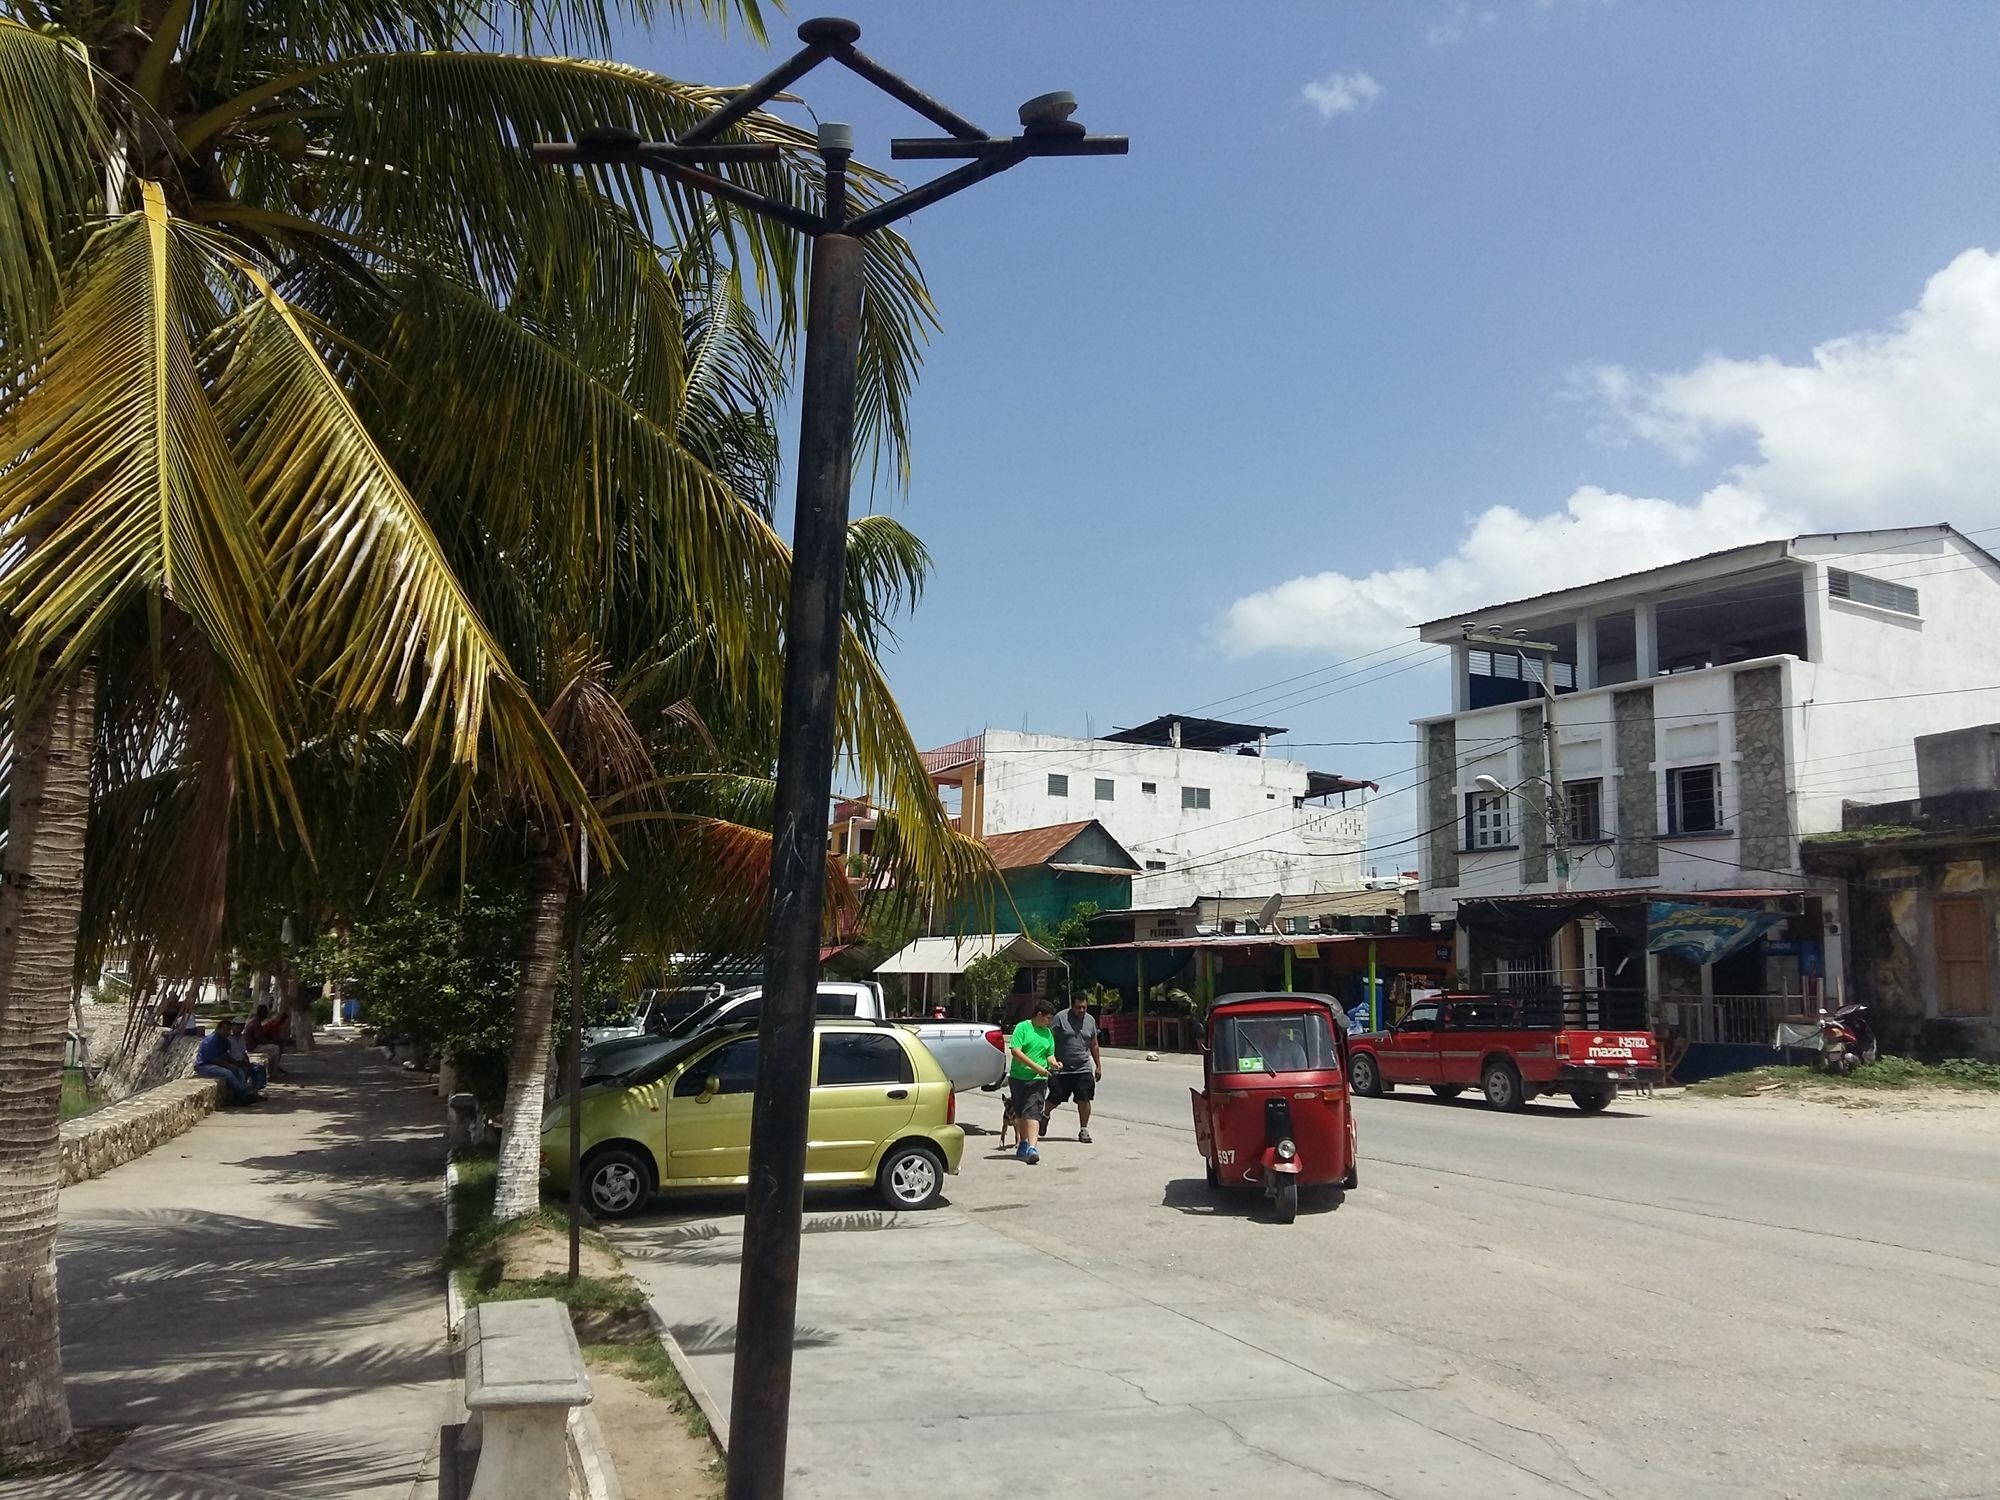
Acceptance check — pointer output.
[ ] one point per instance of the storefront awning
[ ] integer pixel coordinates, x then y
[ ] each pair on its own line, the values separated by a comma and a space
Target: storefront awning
943, 955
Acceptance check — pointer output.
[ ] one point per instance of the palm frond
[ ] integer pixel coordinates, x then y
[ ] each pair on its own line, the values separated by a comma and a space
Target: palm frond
427, 152
886, 569
378, 622
115, 474
53, 142
572, 468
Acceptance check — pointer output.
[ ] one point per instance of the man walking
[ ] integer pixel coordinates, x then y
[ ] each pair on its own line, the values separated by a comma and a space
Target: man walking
1031, 1062
1075, 1032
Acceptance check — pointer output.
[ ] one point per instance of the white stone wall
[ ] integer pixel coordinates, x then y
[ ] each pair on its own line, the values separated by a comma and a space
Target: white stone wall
1250, 840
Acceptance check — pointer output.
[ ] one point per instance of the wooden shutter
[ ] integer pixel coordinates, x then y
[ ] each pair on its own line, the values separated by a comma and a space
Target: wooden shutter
1960, 928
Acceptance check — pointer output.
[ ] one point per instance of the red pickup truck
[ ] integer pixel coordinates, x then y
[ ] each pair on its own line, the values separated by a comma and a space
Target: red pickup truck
1508, 1047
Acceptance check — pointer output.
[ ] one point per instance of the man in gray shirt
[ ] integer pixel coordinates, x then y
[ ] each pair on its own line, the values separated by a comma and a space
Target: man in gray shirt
1082, 1063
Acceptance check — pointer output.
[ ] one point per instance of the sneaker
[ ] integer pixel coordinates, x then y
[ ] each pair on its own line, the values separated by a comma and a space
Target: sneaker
1084, 1136
1033, 1157
1021, 1151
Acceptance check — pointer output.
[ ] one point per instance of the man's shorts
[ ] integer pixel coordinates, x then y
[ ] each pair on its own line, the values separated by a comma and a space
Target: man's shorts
1080, 1085
1028, 1098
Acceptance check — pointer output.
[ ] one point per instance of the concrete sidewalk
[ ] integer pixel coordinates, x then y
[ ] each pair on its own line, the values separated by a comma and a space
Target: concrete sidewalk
262, 1297
930, 1346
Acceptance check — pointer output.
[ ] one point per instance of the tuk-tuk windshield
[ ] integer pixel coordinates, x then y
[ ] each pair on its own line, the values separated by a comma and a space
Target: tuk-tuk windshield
1294, 1043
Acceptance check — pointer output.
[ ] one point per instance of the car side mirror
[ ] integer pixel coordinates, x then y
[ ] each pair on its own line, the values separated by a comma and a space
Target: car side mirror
710, 1087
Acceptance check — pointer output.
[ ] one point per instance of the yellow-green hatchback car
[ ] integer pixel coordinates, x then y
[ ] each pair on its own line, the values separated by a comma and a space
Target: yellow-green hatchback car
882, 1113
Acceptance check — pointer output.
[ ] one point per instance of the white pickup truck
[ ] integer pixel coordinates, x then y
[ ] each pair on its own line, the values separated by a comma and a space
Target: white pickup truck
972, 1055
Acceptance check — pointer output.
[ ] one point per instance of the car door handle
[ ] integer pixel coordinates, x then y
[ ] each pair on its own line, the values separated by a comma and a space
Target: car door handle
899, 1093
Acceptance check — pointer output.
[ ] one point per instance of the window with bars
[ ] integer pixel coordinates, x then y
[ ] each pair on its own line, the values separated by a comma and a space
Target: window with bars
1488, 824
1194, 797
1694, 799
1862, 589
1058, 785
1585, 801
1104, 789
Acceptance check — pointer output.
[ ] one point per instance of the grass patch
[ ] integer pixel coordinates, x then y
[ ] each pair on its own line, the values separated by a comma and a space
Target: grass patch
648, 1367
1887, 1075
77, 1098
609, 1311
1872, 833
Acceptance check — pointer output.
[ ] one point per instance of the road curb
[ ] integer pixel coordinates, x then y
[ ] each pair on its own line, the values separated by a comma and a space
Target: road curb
454, 1300
716, 1413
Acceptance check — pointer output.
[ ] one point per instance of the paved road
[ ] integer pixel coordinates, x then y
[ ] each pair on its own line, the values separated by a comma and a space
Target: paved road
1677, 1297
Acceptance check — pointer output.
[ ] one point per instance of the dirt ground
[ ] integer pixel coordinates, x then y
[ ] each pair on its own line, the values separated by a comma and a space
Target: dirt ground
656, 1457
542, 1251
1916, 1110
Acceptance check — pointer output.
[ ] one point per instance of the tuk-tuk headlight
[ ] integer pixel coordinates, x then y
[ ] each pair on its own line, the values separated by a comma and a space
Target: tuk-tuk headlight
1286, 1151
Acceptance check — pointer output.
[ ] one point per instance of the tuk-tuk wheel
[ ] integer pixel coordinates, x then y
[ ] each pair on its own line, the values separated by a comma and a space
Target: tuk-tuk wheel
1214, 1179
1287, 1200
1352, 1180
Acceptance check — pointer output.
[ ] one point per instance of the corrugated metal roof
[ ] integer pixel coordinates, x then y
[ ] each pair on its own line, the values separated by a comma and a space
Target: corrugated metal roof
943, 955
1029, 847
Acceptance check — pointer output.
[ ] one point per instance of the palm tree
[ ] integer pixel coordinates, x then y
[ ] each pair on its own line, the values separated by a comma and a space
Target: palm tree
246, 249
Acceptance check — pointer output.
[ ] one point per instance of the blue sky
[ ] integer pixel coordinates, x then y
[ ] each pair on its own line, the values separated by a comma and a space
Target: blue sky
1653, 277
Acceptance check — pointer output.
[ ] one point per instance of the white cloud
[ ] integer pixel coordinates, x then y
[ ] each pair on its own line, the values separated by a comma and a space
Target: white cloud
1889, 427
1458, 23
1352, 93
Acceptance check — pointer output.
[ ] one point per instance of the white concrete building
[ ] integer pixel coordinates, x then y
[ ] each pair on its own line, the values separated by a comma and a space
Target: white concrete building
1709, 714
1197, 801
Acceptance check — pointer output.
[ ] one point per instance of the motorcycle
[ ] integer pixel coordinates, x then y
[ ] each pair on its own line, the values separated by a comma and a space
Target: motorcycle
1846, 1041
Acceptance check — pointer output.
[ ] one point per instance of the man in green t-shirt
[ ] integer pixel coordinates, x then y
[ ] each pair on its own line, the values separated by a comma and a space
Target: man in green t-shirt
1031, 1061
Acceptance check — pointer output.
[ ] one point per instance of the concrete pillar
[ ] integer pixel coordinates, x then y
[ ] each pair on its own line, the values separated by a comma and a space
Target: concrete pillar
1646, 640
1833, 954
1586, 652
1461, 685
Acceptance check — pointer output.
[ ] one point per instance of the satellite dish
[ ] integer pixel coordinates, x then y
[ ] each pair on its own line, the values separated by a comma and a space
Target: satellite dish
1267, 914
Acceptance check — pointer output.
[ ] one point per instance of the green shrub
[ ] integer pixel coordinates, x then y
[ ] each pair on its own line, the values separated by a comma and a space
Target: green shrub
322, 1012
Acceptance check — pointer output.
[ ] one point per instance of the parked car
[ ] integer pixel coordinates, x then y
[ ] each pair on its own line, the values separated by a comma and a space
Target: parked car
883, 1113
1511, 1048
974, 1056
657, 1013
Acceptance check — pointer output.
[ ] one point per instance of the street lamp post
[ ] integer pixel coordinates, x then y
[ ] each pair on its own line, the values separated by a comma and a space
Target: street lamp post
767, 1297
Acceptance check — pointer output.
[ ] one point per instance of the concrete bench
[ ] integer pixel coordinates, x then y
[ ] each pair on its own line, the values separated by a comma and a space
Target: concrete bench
523, 1376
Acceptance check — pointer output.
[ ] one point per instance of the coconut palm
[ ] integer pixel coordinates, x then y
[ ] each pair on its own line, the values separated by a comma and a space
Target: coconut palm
242, 244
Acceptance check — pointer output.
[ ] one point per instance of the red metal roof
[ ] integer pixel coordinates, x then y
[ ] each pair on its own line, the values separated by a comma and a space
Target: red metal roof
1032, 846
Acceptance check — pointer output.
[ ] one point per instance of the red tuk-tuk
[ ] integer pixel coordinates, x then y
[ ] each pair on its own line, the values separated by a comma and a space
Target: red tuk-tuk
1273, 1112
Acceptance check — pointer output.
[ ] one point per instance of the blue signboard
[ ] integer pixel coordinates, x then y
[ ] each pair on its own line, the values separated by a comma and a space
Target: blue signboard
1704, 934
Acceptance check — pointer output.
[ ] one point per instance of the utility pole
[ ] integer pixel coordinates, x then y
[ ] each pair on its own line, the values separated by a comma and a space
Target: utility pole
767, 1298
1558, 803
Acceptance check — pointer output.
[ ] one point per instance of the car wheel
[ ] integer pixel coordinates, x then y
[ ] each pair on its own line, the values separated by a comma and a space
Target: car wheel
1287, 1201
1502, 1084
1590, 1101
1366, 1076
1447, 1090
617, 1182
911, 1177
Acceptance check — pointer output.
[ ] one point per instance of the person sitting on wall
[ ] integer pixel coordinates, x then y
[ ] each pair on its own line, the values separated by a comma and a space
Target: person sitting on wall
212, 1060
267, 1030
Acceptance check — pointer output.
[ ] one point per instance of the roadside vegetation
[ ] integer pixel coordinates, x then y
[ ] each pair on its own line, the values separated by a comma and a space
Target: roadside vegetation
1889, 1074
493, 1260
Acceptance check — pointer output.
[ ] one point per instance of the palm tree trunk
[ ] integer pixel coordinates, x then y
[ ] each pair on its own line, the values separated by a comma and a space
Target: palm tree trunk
517, 1186
41, 899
